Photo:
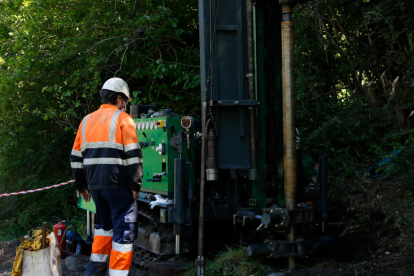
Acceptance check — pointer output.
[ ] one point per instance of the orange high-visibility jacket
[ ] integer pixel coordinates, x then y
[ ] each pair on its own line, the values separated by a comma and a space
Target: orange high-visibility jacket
106, 154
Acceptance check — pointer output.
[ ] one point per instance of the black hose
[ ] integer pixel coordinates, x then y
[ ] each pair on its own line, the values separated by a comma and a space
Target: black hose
76, 229
214, 209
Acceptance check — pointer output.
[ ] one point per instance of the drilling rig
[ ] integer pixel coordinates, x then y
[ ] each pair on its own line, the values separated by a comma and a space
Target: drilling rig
241, 162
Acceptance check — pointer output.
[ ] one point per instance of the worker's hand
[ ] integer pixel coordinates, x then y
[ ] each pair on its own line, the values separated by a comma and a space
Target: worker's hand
86, 195
135, 194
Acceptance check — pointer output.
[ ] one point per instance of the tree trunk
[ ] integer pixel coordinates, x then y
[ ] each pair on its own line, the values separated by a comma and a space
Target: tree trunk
391, 92
386, 85
370, 93
401, 118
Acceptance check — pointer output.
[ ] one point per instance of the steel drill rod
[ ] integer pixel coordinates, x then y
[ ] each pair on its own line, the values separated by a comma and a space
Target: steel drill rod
289, 134
250, 78
202, 184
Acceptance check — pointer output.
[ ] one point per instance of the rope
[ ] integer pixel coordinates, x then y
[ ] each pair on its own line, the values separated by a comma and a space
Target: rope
38, 190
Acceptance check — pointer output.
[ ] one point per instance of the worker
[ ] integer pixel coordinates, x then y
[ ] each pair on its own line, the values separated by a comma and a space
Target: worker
106, 162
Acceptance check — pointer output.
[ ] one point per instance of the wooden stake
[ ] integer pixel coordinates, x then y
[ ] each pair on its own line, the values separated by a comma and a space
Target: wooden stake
44, 235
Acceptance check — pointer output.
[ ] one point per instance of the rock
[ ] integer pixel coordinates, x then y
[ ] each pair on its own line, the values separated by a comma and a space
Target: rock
179, 260
72, 264
165, 268
14, 243
277, 274
74, 274
138, 272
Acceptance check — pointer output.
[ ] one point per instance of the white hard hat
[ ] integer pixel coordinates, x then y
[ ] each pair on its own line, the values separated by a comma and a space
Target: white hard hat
117, 85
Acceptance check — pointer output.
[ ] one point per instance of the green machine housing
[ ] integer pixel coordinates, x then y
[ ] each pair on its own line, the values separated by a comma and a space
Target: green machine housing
162, 140
169, 148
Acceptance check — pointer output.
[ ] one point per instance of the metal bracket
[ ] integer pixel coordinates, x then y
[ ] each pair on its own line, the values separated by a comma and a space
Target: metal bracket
215, 103
253, 174
154, 180
303, 215
287, 2
285, 248
177, 142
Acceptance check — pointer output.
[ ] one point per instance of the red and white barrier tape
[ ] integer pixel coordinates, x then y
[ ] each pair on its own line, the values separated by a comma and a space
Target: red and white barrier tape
37, 190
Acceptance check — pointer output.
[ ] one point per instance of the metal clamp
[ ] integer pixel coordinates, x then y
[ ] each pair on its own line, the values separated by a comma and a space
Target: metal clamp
198, 262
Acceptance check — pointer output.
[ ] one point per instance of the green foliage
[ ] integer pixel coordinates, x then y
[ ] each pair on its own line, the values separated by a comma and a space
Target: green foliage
354, 68
19, 215
54, 58
232, 262
60, 53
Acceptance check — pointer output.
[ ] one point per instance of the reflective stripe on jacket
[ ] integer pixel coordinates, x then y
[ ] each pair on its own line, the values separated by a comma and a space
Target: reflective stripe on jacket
106, 154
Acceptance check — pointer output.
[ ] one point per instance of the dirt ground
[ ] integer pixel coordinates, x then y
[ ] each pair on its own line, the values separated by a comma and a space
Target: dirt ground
7, 253
373, 231
389, 264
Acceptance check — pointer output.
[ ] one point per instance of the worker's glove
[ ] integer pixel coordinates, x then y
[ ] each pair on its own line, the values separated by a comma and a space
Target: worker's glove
86, 195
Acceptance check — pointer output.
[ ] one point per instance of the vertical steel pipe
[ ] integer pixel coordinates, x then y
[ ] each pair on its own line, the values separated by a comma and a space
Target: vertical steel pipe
88, 226
252, 96
202, 186
93, 219
289, 134
212, 170
177, 245
179, 191
179, 205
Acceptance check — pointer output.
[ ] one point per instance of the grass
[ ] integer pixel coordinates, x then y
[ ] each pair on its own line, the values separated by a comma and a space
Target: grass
231, 261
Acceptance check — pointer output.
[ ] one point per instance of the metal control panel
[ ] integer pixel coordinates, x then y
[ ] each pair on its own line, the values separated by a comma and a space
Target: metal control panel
163, 139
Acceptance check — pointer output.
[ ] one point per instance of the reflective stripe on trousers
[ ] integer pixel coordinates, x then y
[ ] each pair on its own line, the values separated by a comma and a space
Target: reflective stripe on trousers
113, 272
102, 245
120, 260
119, 255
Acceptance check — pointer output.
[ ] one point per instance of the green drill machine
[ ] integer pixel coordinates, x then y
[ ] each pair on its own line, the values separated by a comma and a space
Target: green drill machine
241, 162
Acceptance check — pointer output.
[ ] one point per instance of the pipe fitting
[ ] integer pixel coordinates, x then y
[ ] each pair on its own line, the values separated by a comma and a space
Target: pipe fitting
212, 170
257, 250
291, 2
274, 217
